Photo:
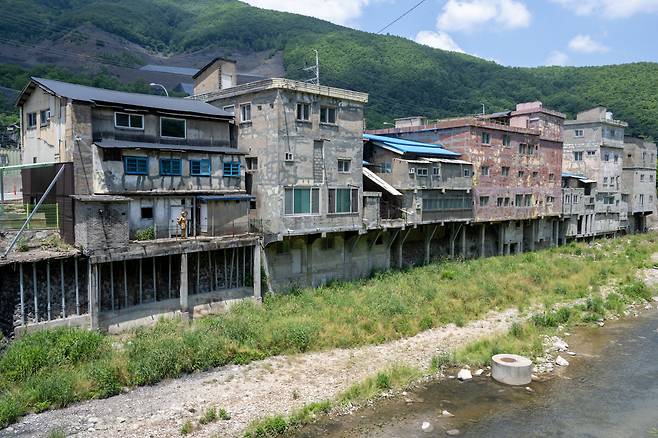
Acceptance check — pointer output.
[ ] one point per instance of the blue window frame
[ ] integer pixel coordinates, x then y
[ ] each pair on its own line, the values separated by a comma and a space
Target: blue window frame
200, 167
170, 166
136, 165
231, 168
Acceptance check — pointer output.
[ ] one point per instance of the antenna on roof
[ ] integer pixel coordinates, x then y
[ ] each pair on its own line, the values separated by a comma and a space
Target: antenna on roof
315, 69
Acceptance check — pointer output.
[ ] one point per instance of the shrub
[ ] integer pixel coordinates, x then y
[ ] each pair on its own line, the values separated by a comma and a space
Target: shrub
636, 289
53, 389
295, 336
383, 381
106, 379
186, 428
439, 361
11, 409
209, 416
147, 233
516, 330
224, 415
267, 427
50, 348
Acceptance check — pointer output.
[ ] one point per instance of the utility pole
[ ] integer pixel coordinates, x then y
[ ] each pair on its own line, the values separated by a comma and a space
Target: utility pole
315, 69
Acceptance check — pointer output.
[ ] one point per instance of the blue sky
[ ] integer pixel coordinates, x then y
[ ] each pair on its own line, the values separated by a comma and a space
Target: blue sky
510, 32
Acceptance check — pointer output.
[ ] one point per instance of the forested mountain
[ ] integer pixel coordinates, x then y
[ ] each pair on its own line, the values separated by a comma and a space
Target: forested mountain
402, 77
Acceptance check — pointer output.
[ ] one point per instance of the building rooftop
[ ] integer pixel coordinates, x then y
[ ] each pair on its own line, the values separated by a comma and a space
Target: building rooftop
402, 146
101, 96
121, 144
285, 84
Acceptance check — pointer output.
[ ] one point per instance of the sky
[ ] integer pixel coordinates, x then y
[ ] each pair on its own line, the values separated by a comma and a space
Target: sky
524, 33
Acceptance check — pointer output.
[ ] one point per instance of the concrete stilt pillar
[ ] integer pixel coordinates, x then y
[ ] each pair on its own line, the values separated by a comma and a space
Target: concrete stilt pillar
309, 262
452, 240
92, 288
520, 247
501, 239
256, 274
184, 288
483, 234
463, 234
399, 248
533, 229
428, 244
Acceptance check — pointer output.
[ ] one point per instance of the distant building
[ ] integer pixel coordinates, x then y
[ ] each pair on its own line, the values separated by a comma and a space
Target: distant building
638, 182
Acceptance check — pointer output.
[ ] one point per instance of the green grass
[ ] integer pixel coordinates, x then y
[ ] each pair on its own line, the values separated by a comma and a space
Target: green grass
186, 428
46, 370
209, 416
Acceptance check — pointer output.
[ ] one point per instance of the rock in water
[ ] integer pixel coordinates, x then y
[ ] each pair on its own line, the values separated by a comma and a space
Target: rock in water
453, 432
446, 414
561, 361
464, 374
478, 372
426, 427
560, 345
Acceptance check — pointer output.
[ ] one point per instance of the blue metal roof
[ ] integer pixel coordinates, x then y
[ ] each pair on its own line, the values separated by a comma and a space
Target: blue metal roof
207, 198
410, 146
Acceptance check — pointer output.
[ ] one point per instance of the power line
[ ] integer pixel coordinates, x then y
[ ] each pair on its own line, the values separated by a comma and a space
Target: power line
401, 16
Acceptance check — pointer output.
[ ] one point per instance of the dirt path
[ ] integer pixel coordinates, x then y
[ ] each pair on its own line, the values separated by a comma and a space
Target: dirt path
271, 386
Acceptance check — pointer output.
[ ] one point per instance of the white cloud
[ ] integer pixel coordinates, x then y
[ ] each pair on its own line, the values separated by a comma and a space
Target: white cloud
610, 8
557, 58
336, 11
438, 40
466, 15
585, 44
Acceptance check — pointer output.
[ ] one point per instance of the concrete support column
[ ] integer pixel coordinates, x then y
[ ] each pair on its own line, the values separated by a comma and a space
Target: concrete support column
400, 246
92, 287
309, 262
453, 236
501, 239
463, 234
482, 239
184, 290
533, 229
428, 244
256, 274
520, 246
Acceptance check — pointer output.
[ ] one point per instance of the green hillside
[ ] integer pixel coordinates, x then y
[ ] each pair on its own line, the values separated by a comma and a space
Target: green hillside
402, 77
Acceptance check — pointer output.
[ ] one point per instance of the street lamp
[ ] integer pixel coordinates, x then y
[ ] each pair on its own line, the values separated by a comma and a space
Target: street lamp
153, 84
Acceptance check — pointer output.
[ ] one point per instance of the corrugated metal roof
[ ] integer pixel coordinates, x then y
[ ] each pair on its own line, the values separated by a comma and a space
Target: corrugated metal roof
120, 144
83, 93
449, 161
225, 198
410, 146
380, 182
582, 178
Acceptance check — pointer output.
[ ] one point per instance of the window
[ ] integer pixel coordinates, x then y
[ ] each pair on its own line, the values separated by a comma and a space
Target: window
484, 170
343, 200
606, 157
147, 212
527, 200
173, 128
421, 171
229, 109
245, 113
135, 165
506, 202
616, 158
31, 120
605, 181
486, 138
252, 163
302, 200
170, 167
200, 167
303, 112
484, 201
518, 200
231, 168
289, 156
128, 121
651, 178
523, 148
442, 204
550, 199
578, 133
641, 177
591, 153
504, 171
506, 140
521, 174
575, 199
535, 174
467, 173
499, 202
531, 149
344, 166
436, 171
44, 117
328, 115
578, 156
551, 177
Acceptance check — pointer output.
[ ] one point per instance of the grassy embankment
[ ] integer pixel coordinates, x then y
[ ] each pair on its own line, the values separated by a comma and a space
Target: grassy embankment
49, 370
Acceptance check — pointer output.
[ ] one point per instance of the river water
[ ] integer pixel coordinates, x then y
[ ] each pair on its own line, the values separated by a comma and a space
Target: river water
609, 390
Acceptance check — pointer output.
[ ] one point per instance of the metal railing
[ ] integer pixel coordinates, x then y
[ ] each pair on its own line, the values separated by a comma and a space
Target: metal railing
12, 217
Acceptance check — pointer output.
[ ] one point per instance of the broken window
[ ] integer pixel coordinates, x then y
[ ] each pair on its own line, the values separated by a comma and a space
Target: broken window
147, 212
44, 117
535, 174
303, 112
328, 115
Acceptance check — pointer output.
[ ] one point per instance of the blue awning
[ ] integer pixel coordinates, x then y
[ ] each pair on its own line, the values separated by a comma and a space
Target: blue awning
402, 146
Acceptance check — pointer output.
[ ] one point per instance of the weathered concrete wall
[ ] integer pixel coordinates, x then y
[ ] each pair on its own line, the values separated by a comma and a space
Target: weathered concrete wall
109, 175
101, 225
44, 142
639, 175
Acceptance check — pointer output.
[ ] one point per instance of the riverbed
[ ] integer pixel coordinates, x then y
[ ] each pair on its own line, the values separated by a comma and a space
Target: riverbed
610, 389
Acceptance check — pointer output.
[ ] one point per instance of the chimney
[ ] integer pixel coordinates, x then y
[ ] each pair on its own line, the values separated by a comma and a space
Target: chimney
217, 75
